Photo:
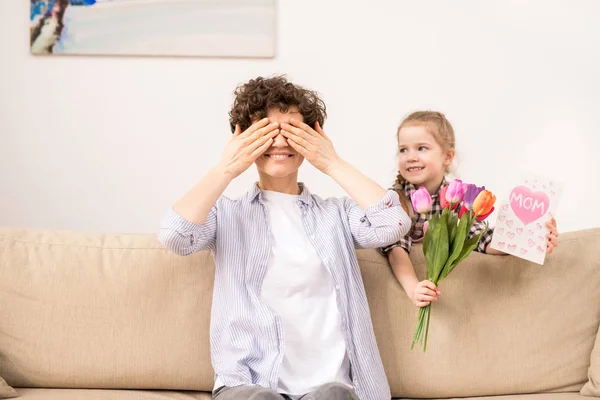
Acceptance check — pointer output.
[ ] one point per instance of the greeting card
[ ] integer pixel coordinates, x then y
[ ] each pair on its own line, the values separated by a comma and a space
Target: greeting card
521, 223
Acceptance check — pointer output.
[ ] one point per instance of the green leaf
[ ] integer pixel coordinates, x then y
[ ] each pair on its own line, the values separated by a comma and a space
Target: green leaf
452, 227
433, 222
457, 245
470, 245
437, 252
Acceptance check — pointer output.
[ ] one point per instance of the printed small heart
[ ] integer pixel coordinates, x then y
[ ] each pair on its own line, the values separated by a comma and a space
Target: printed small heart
500, 231
531, 243
543, 186
538, 225
552, 192
530, 232
540, 238
509, 223
501, 217
510, 235
523, 252
505, 207
519, 230
527, 205
540, 250
501, 244
512, 247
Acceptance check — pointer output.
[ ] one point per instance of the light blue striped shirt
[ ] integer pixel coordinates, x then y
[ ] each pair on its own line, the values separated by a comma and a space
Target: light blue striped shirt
246, 337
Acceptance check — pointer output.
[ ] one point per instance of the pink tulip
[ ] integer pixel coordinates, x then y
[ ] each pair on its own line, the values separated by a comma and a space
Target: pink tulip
455, 192
442, 196
421, 200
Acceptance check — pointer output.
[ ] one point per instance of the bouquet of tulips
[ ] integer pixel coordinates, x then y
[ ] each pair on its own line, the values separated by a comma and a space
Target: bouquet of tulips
446, 241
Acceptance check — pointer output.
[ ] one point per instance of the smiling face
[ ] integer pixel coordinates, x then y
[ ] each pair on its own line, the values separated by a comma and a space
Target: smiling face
278, 166
422, 160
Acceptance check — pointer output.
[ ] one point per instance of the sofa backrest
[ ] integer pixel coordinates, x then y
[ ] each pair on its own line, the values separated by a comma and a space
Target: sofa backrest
502, 325
119, 311
102, 311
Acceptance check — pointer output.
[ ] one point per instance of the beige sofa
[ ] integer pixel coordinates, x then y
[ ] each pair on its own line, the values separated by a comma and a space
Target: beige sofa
85, 316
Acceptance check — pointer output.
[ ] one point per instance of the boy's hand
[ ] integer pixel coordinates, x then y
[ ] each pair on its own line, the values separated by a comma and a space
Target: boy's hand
245, 147
312, 144
552, 236
425, 292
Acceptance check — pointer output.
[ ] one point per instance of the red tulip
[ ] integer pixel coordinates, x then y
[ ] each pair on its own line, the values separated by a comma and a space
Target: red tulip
484, 216
442, 196
463, 210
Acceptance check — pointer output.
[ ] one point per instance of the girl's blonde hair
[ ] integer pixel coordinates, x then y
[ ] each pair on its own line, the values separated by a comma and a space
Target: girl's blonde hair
440, 128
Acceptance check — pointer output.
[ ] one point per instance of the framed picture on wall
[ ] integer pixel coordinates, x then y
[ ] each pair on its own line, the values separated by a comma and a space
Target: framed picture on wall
205, 28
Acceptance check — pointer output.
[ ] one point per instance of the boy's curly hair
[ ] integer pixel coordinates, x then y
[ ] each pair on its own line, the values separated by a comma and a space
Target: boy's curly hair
254, 98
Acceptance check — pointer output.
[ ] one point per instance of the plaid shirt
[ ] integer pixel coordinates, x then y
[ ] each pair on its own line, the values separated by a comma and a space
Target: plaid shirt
416, 234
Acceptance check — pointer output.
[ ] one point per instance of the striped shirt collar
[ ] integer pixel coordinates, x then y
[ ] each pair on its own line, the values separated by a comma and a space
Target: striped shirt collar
305, 195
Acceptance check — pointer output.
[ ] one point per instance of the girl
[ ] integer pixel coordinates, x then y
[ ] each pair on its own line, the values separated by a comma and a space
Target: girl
426, 147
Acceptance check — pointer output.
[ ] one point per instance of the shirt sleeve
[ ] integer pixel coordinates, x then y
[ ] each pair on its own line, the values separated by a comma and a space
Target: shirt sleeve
380, 225
485, 239
405, 243
184, 237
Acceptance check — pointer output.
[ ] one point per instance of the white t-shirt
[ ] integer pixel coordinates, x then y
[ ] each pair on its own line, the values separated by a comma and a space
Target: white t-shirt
299, 288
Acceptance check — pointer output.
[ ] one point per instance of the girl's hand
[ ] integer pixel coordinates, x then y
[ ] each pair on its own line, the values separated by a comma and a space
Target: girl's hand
425, 292
552, 236
314, 145
245, 147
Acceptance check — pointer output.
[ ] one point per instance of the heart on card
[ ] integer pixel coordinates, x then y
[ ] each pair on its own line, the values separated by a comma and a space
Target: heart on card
512, 247
540, 249
510, 235
527, 205
531, 243
501, 244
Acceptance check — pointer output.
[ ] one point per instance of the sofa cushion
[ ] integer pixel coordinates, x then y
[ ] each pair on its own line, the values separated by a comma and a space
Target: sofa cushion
527, 396
119, 311
592, 386
6, 392
502, 325
79, 394
102, 311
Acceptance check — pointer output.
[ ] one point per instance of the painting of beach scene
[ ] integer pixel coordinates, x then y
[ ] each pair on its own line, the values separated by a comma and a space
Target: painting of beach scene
205, 28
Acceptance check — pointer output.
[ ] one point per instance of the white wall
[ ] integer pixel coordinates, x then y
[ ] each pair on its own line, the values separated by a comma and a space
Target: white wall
108, 143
